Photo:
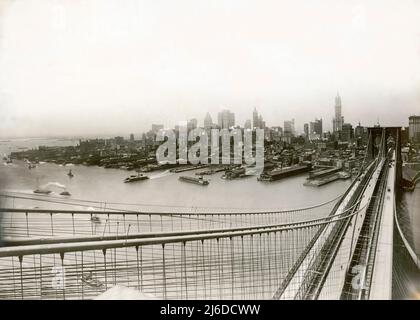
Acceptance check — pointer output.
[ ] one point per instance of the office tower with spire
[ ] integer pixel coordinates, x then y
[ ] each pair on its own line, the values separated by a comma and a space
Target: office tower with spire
208, 121
339, 119
257, 120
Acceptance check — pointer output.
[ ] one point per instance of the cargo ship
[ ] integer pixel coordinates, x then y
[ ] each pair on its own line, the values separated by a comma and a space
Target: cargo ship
278, 174
198, 180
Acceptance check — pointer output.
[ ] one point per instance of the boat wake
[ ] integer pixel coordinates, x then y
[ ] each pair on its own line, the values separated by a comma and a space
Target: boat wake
57, 184
162, 174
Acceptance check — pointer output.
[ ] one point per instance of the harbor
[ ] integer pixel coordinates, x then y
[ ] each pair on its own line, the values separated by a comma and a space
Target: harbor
80, 180
162, 190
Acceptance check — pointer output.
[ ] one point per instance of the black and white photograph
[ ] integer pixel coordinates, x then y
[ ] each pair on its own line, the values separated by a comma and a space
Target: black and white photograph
209, 150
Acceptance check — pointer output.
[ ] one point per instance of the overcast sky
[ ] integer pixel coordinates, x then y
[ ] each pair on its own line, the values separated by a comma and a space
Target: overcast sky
75, 67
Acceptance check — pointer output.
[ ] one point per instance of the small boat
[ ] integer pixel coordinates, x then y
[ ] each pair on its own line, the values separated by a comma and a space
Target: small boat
198, 180
90, 281
70, 174
9, 161
65, 193
95, 219
42, 191
31, 166
137, 177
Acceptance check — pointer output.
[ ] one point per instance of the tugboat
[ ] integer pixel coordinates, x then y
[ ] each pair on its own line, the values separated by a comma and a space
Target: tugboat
137, 177
42, 191
198, 180
65, 193
70, 174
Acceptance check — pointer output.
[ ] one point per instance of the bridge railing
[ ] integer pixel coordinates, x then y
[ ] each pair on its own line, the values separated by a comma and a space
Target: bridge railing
37, 223
235, 263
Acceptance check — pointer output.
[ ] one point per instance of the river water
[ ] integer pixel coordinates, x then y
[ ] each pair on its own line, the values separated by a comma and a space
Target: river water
162, 190
96, 187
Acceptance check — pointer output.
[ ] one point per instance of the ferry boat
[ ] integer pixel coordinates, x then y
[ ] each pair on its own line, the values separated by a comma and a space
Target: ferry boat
134, 177
198, 180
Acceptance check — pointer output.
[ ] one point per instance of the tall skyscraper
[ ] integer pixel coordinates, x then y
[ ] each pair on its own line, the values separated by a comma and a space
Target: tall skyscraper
248, 124
289, 128
338, 119
261, 122
360, 134
414, 128
255, 119
208, 122
347, 133
226, 119
306, 131
315, 129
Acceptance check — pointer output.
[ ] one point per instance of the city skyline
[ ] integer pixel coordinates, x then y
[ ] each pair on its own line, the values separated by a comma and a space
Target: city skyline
118, 70
298, 128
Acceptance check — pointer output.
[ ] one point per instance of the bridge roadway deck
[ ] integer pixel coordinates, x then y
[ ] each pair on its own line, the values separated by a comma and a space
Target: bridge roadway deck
295, 283
381, 287
335, 280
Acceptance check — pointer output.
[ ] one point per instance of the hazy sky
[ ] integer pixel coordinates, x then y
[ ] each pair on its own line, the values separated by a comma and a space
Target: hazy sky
73, 67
